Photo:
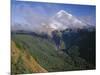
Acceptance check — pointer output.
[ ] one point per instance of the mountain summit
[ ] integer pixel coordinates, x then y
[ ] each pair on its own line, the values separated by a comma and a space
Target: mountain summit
62, 20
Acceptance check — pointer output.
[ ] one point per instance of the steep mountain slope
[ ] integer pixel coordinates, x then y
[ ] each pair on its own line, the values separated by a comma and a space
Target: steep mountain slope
43, 51
33, 49
84, 40
23, 62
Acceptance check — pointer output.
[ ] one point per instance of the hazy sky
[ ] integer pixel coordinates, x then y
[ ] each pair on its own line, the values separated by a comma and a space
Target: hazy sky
33, 12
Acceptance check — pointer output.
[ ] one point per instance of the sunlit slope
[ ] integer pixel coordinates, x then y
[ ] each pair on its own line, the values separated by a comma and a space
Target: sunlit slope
23, 62
43, 51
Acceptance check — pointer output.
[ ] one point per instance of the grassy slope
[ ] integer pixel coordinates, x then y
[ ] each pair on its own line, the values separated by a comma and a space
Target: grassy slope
23, 62
43, 51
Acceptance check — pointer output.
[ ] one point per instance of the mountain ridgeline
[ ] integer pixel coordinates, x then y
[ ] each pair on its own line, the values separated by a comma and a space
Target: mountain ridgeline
65, 50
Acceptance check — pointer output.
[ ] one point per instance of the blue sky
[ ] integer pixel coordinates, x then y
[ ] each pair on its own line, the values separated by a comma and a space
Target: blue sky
21, 10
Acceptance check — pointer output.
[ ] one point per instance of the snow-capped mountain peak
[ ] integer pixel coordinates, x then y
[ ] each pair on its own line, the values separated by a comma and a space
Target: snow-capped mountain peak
63, 13
62, 20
